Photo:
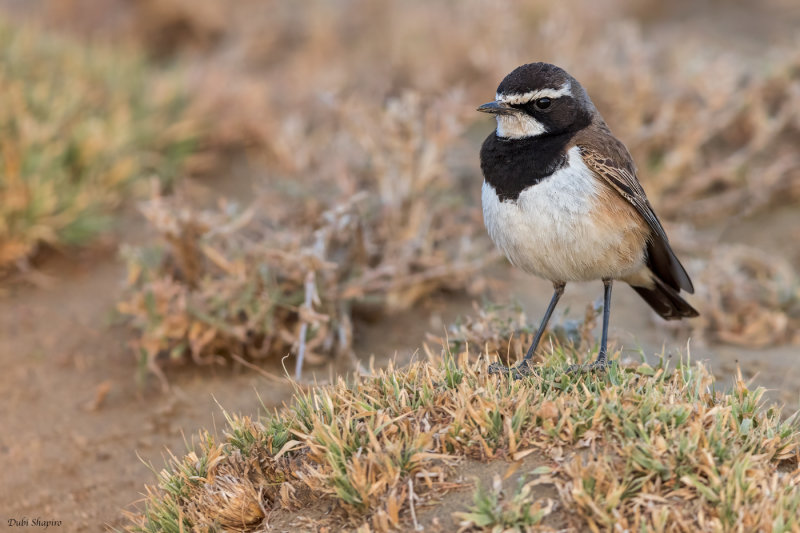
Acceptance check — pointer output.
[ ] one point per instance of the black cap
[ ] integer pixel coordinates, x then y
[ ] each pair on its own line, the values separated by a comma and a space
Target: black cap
532, 77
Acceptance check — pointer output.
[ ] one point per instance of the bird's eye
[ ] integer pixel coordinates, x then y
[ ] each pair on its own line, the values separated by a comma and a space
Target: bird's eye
542, 103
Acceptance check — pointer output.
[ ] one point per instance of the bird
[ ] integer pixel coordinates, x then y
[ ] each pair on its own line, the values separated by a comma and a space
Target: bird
561, 199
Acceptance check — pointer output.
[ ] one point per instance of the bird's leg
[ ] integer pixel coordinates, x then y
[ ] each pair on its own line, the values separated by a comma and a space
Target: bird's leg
558, 290
524, 368
601, 363
602, 358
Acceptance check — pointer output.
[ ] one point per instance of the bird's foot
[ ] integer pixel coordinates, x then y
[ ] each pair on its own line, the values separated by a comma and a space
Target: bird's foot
601, 364
519, 371
497, 368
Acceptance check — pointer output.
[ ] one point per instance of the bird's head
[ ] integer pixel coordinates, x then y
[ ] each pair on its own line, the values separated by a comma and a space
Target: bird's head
539, 99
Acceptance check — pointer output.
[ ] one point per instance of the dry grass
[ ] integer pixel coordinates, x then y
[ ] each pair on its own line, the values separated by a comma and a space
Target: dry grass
267, 281
641, 447
78, 125
496, 510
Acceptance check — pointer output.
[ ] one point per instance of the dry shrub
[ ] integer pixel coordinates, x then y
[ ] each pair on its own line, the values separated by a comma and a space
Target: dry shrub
506, 333
169, 26
713, 133
645, 447
712, 143
264, 282
78, 125
748, 297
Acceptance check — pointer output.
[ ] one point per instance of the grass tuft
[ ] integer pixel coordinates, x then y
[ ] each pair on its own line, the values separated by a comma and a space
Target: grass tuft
78, 126
494, 511
639, 447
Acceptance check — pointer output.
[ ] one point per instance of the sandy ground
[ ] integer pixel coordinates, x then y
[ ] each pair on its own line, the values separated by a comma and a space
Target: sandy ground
76, 428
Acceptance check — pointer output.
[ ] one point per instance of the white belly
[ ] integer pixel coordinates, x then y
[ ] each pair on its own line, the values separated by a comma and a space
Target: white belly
552, 229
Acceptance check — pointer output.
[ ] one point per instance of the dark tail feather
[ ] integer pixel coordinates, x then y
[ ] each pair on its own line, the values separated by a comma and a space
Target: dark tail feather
666, 301
664, 264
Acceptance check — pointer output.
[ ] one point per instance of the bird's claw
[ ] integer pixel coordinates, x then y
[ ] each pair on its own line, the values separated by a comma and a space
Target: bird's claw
497, 368
602, 364
519, 371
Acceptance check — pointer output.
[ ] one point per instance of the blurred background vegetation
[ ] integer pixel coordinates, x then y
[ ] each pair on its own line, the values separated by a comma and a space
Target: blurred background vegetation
272, 178
356, 122
79, 125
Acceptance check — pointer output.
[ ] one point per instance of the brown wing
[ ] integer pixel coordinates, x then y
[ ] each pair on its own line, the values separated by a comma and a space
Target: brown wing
618, 171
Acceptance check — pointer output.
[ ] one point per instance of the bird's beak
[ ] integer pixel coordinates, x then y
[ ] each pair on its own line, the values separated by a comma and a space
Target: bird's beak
496, 108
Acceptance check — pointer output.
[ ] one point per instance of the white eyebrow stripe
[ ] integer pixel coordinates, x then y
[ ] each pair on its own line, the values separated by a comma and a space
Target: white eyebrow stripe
564, 90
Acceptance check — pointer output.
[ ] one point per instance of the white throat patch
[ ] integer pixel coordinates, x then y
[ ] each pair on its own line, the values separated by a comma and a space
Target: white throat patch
518, 126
